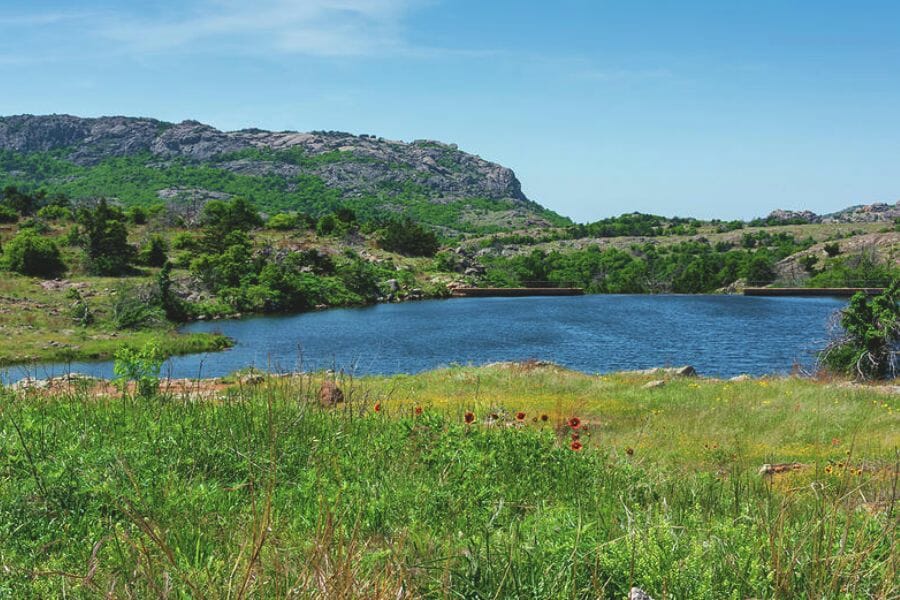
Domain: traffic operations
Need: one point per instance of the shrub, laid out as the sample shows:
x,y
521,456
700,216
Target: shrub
x,y
136,215
133,309
871,334
832,249
55,212
140,366
8,215
282,222
409,238
154,252
30,254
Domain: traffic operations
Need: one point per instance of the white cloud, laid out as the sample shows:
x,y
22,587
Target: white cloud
x,y
313,27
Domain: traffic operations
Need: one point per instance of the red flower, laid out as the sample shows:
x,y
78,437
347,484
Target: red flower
x,y
377,407
418,410
575,437
470,417
545,418
576,445
520,416
574,422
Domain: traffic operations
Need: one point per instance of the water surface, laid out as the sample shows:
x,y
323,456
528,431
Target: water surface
x,y
720,335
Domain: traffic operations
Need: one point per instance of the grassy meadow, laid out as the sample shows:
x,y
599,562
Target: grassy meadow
x,y
462,482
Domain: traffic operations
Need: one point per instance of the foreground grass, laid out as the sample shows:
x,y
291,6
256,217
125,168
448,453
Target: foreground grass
x,y
260,492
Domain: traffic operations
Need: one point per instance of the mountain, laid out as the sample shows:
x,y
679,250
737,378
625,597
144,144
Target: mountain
x,y
146,161
861,213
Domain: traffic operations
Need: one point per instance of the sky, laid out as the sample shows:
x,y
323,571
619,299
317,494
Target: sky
x,y
713,109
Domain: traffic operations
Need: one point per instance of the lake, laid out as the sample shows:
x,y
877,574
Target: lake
x,y
719,335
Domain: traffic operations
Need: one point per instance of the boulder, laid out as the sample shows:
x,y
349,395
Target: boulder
x,y
330,394
637,593
656,383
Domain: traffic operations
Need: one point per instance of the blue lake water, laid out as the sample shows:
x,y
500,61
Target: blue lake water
x,y
719,335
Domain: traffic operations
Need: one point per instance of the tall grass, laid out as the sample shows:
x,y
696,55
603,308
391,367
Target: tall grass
x,y
260,492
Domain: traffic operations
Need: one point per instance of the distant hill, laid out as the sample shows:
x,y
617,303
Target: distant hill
x,y
146,161
861,213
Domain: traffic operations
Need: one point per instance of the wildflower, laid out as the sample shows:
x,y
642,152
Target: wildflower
x,y
828,469
470,417
575,437
377,407
835,442
576,445
574,422
418,410
520,416
545,418
493,416
857,472
629,451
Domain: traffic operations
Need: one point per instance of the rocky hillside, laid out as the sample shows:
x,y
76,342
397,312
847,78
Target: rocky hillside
x,y
140,160
862,213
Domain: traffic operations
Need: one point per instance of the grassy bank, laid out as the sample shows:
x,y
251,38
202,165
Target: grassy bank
x,y
37,325
259,492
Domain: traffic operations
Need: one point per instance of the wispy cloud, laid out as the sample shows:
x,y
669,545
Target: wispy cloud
x,y
330,28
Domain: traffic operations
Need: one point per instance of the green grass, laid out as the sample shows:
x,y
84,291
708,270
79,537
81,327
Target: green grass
x,y
259,492
36,324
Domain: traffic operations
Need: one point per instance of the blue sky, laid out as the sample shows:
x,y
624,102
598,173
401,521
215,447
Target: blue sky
x,y
712,109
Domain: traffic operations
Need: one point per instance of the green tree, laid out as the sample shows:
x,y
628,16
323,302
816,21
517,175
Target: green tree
x,y
407,237
31,254
108,250
155,251
871,326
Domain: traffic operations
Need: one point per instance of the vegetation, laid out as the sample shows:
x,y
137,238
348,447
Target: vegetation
x,y
30,254
871,334
409,238
686,267
434,486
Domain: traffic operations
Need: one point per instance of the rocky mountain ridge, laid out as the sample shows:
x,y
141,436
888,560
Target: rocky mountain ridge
x,y
861,213
354,165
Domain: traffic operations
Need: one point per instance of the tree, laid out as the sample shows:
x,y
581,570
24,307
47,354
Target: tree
x,y
108,251
871,326
31,254
405,236
154,252
223,218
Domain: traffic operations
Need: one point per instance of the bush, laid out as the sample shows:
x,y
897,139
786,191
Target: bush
x,y
407,237
871,334
8,215
30,254
154,253
140,366
832,249
282,222
133,309
55,212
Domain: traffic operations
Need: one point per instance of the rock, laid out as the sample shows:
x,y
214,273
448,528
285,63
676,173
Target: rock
x,y
685,371
442,170
637,593
252,379
656,383
770,469
392,284
742,377
330,394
